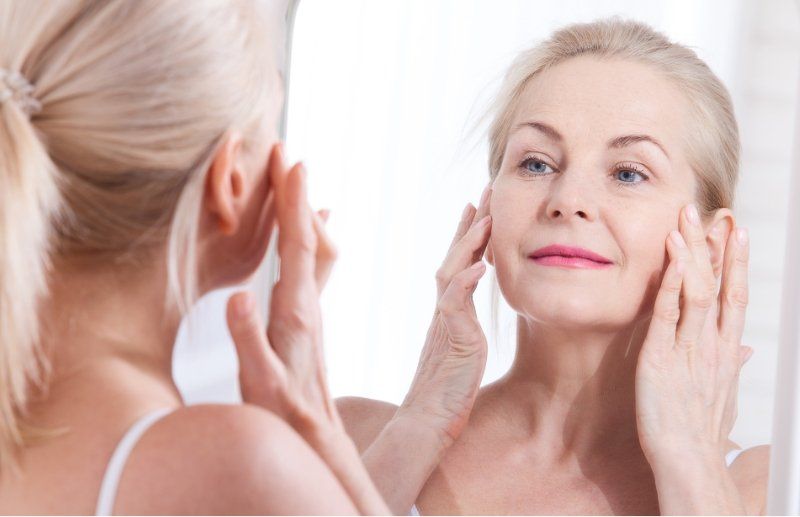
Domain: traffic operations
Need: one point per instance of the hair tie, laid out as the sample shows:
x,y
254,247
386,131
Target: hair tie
x,y
15,87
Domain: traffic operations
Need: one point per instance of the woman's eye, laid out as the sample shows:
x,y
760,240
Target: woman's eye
x,y
536,166
629,176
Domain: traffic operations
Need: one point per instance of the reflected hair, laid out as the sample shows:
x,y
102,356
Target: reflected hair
x,y
713,143
134,98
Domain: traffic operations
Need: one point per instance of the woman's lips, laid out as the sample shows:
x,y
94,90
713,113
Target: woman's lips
x,y
569,257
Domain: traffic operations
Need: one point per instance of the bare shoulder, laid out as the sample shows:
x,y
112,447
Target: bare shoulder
x,y
226,459
364,418
750,472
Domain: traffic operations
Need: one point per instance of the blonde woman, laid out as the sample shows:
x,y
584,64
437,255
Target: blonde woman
x,y
138,169
613,164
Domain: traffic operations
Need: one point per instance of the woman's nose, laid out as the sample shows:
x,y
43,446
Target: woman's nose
x,y
570,198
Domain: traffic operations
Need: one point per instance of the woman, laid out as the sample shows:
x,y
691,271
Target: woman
x,y
613,163
139,163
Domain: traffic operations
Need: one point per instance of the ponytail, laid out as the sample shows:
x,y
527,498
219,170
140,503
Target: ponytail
x,y
29,199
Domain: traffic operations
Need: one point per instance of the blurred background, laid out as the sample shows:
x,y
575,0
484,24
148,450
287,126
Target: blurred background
x,y
384,106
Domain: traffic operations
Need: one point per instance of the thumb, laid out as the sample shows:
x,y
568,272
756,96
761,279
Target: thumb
x,y
258,363
455,305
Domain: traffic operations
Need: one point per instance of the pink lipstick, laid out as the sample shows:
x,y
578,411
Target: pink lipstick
x,y
569,257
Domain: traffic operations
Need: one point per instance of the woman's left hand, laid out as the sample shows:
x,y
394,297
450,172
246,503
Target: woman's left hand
x,y
688,371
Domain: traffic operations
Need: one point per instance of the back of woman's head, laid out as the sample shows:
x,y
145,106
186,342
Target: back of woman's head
x,y
712,144
104,155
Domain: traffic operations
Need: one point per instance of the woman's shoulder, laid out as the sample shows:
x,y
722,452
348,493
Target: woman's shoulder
x,y
364,418
750,472
228,459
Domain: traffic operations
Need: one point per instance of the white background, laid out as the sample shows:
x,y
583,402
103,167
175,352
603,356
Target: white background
x,y
384,101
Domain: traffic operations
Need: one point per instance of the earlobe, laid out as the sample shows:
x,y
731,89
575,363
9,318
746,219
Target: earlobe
x,y
225,185
717,238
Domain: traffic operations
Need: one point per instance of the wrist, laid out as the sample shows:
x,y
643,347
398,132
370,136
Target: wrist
x,y
425,432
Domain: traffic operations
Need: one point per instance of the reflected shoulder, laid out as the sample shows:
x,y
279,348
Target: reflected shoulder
x,y
364,418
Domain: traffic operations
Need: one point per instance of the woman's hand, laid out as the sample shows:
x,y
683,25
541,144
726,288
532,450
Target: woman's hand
x,y
454,356
282,369
688,371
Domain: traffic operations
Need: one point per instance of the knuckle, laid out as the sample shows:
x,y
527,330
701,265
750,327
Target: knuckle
x,y
737,297
702,300
670,315
442,276
294,320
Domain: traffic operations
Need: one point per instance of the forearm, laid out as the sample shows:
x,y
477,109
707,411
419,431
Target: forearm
x,y
340,454
401,459
697,485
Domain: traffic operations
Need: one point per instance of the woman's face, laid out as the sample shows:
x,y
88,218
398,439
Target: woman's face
x,y
594,160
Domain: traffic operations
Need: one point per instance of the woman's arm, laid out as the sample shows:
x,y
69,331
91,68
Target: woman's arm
x,y
282,369
413,441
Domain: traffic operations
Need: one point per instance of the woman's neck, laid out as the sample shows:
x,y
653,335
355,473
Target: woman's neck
x,y
576,390
109,323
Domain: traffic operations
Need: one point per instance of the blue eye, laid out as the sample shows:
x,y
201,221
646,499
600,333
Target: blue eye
x,y
628,174
536,166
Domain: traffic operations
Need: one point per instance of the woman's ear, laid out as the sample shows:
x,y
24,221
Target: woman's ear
x,y
717,234
225,185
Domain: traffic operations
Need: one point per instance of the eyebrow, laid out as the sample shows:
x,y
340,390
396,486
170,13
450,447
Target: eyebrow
x,y
615,143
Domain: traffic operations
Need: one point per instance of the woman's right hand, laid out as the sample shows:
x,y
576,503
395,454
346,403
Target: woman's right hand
x,y
454,355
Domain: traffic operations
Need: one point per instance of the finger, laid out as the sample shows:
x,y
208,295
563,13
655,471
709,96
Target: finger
x,y
326,251
483,204
456,308
666,309
257,360
464,224
733,295
692,230
276,165
462,254
696,299
297,241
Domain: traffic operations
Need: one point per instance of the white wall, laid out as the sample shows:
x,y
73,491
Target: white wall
x,y
382,99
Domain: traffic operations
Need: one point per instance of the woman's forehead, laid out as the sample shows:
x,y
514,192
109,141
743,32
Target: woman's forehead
x,y
604,98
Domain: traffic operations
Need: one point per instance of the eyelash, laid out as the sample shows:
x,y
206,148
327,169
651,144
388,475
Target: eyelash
x,y
626,166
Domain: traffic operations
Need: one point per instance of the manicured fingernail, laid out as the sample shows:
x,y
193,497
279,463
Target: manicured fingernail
x,y
741,236
244,305
677,238
478,265
692,215
466,211
486,220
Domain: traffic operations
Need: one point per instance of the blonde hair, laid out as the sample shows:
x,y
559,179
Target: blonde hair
x,y
135,99
713,148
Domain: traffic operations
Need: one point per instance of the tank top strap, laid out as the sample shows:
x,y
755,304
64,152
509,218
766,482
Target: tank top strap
x,y
108,489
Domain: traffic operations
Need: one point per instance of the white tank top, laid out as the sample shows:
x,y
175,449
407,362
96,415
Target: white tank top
x,y
108,489
729,458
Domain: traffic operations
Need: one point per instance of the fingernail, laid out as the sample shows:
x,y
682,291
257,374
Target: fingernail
x,y
748,355
465,211
692,215
244,305
677,238
324,214
485,221
478,265
741,236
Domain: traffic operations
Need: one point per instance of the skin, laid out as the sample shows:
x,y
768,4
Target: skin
x,y
622,393
110,344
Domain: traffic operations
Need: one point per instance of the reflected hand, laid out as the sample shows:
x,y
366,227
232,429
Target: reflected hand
x,y
454,356
688,369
